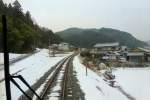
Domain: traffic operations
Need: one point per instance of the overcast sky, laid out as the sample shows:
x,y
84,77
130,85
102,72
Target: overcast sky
x,y
132,16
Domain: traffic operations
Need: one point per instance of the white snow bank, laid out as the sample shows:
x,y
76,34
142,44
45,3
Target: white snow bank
x,y
12,56
2,91
135,81
32,68
93,86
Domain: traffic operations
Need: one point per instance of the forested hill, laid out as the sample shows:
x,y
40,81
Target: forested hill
x,y
89,37
148,42
24,35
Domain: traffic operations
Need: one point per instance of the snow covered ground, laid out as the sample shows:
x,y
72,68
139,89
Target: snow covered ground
x,y
94,87
135,81
31,68
12,56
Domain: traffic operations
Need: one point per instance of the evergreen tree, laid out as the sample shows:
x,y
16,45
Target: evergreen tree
x,y
1,7
23,35
17,11
28,15
28,18
1,4
17,6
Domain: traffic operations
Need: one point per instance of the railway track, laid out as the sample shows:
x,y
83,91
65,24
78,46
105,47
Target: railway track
x,y
56,87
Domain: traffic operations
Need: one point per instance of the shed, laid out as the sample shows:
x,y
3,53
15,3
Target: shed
x,y
136,57
106,46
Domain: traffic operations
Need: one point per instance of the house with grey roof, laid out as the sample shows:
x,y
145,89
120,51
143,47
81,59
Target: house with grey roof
x,y
146,51
105,47
137,57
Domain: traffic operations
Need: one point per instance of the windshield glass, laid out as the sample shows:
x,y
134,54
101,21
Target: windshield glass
x,y
74,49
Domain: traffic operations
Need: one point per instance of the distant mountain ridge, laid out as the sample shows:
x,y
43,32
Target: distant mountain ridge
x,y
148,42
88,37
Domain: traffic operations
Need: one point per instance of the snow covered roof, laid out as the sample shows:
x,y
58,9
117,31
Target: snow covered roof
x,y
64,43
135,54
99,45
145,49
53,45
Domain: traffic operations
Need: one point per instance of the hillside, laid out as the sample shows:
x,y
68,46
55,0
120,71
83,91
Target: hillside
x,y
148,42
24,35
89,37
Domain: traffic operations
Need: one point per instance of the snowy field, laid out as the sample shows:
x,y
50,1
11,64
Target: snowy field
x,y
93,85
135,81
12,56
31,68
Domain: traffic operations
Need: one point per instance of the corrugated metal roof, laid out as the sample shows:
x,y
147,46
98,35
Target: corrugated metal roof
x,y
106,44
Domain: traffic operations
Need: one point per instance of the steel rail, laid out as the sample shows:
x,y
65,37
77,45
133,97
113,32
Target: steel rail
x,y
54,76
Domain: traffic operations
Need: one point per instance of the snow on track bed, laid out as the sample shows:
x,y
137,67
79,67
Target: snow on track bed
x,y
55,88
34,67
40,89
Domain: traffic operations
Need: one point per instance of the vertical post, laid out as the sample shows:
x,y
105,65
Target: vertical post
x,y
86,69
6,59
49,46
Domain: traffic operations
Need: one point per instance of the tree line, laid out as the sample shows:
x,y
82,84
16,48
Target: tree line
x,y
24,35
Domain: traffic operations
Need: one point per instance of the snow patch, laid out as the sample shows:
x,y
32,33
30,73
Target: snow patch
x,y
135,81
93,85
